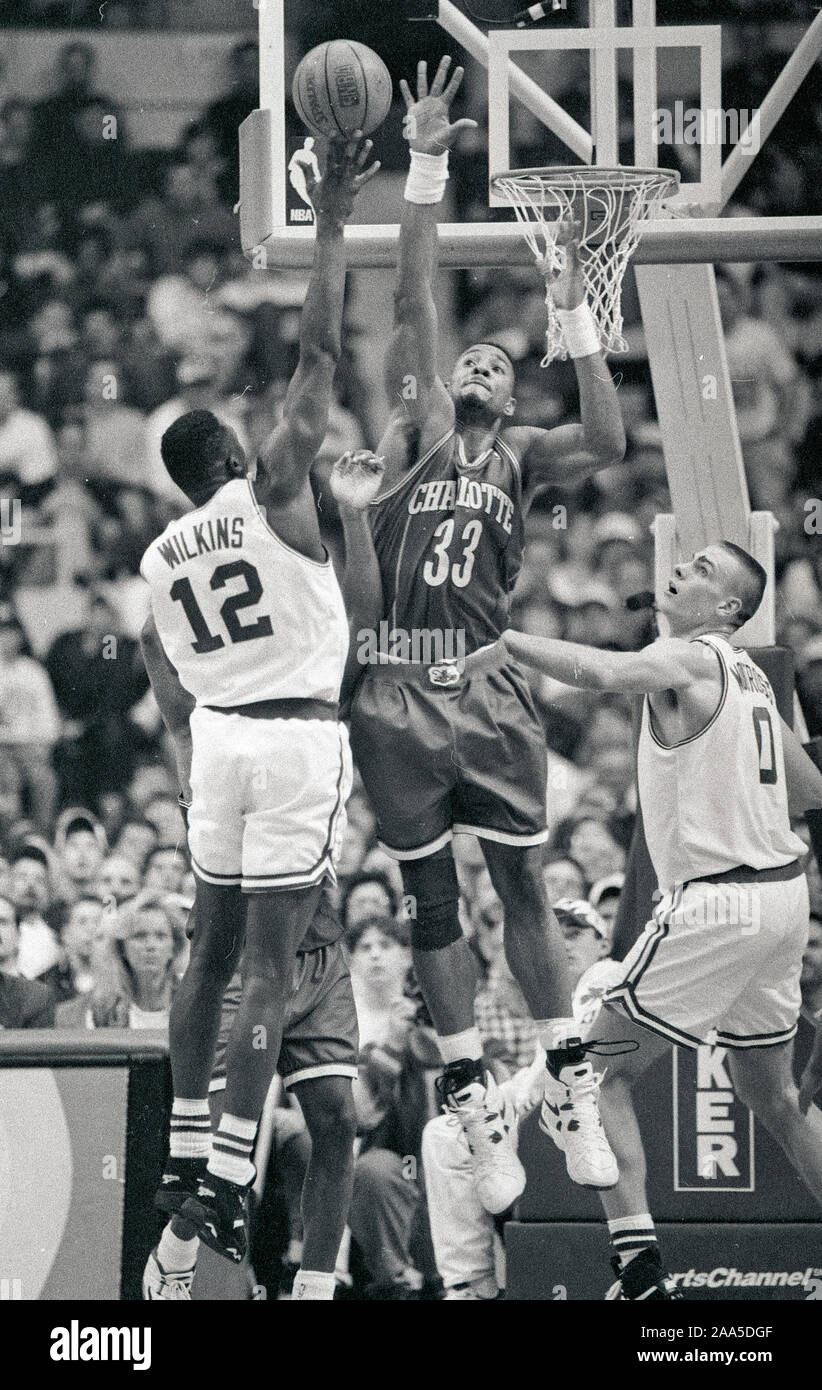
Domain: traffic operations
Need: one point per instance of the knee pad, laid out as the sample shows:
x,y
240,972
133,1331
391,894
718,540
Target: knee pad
x,y
432,887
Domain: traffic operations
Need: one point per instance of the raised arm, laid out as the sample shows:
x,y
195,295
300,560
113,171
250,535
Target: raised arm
x,y
668,664
569,453
418,397
355,480
287,457
173,700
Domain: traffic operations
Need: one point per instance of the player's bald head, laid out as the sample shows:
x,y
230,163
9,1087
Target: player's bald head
x,y
746,578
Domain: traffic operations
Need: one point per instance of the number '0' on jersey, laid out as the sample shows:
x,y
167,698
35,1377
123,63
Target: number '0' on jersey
x,y
241,616
718,799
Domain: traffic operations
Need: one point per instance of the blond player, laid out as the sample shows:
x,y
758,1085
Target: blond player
x,y
719,776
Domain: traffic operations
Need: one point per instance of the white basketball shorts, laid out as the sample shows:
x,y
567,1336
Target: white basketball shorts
x,y
267,799
720,963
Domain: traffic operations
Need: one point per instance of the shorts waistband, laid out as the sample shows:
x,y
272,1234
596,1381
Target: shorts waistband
x,y
743,873
442,674
281,709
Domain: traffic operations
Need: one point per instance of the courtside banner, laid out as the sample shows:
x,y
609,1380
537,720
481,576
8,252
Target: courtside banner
x,y
708,1158
83,1119
563,1261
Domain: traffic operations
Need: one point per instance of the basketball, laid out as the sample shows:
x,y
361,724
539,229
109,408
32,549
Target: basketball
x,y
342,86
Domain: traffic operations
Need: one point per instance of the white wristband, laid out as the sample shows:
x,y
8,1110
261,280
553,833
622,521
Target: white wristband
x,y
579,331
427,177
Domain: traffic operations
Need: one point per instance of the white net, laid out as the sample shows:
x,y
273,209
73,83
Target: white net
x,y
610,206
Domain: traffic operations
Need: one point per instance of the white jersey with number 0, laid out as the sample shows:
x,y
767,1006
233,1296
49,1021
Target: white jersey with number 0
x,y
241,616
718,799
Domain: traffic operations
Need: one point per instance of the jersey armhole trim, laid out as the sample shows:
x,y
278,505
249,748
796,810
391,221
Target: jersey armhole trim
x,y
409,474
298,554
515,462
670,747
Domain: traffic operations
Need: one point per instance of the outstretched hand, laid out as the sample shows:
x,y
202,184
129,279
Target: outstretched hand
x,y
426,126
356,478
567,284
345,174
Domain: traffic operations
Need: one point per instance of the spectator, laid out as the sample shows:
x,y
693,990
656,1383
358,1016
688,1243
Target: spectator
x,y
138,979
486,916
164,227
29,719
114,431
604,897
563,876
765,379
136,840
593,845
28,459
86,938
119,880
80,843
165,869
367,895
391,1096
98,677
61,121
30,890
179,306
23,1003
226,114
506,1024
461,1229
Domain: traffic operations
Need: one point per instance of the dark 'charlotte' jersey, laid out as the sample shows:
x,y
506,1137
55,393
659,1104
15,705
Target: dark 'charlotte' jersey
x,y
449,538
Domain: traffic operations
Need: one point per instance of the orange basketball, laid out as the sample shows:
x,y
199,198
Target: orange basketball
x,y
342,86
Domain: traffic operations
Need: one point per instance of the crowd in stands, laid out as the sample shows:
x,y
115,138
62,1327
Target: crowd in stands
x,y
124,301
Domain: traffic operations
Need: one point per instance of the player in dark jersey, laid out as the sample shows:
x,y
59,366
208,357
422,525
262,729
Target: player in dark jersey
x,y
447,738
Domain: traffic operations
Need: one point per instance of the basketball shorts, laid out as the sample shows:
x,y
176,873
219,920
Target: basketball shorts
x,y
267,800
720,964
320,1036
439,760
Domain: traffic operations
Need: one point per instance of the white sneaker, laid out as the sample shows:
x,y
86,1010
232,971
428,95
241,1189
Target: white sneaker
x,y
570,1115
499,1177
159,1283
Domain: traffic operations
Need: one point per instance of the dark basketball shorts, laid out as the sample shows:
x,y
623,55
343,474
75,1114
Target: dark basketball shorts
x,y
320,1036
462,758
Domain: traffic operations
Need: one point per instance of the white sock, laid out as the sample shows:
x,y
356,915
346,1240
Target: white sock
x,y
555,1032
630,1234
190,1135
314,1285
455,1047
176,1255
231,1150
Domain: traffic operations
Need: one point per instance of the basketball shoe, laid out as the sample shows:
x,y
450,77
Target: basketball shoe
x,y
472,1099
159,1283
180,1180
570,1116
218,1215
642,1278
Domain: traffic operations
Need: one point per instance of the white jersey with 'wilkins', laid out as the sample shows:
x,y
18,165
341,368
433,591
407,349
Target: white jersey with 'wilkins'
x,y
718,799
241,615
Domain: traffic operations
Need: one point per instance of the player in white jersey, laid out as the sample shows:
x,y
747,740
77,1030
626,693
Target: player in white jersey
x,y
719,775
248,620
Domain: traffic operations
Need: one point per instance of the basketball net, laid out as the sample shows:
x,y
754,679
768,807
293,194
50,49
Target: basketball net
x,y
610,206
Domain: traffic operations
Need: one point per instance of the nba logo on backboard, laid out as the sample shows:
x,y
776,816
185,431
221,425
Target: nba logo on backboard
x,y
302,170
713,1138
